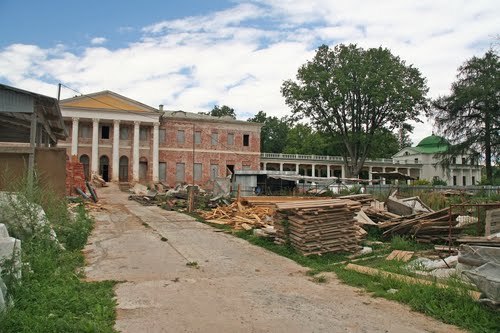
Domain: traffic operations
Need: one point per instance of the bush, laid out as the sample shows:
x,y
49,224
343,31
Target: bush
x,y
436,181
51,296
421,182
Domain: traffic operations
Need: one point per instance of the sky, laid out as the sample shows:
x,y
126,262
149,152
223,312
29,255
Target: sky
x,y
193,54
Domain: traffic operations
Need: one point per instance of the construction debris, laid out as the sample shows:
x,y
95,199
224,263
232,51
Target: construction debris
x,y
319,226
240,216
425,228
398,255
407,206
408,279
98,181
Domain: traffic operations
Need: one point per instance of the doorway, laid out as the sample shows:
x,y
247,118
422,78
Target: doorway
x,y
104,167
84,159
143,168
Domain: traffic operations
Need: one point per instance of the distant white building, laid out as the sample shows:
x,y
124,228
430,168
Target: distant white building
x,y
463,170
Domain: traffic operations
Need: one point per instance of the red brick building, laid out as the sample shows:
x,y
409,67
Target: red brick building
x,y
125,140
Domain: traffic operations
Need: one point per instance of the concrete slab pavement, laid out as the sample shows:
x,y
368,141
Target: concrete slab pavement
x,y
236,287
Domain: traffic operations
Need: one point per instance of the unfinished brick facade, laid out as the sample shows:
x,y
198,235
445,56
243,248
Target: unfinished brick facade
x,y
152,146
220,147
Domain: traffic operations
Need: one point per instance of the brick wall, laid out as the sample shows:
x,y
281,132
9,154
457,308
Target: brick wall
x,y
74,176
221,152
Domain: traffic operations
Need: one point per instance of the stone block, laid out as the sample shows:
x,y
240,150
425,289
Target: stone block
x,y
3,291
4,233
8,246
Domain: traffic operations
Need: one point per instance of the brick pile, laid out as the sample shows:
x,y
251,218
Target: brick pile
x,y
75,176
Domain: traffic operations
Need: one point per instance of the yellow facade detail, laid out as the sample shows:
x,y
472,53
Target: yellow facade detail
x,y
104,101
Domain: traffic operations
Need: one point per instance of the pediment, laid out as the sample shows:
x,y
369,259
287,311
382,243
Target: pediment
x,y
106,101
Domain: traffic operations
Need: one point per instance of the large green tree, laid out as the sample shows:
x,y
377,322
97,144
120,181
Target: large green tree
x,y
273,133
221,111
469,117
352,92
303,139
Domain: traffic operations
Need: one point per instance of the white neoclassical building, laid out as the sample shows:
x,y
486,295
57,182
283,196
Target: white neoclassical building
x,y
464,170
107,129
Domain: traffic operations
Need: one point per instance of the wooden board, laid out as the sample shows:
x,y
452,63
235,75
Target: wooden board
x,y
403,256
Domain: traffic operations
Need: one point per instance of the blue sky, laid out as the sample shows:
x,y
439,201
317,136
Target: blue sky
x,y
73,23
191,54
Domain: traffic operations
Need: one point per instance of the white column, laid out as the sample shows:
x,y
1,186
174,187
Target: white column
x,y
116,151
370,176
328,171
383,178
156,151
297,168
95,146
74,137
135,152
313,173
342,173
281,167
265,165
408,172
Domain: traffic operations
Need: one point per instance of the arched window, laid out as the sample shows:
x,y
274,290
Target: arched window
x,y
84,159
123,170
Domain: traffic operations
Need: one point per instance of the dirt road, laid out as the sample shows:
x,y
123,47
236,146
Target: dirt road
x,y
235,287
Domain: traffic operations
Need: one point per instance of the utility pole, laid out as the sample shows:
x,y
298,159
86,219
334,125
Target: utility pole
x,y
59,92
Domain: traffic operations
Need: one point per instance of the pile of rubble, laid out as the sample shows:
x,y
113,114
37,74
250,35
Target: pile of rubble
x,y
240,216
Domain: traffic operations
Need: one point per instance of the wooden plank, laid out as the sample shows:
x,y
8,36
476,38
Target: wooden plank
x,y
408,279
403,256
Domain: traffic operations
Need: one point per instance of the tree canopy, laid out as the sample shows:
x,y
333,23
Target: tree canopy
x,y
221,112
469,117
351,92
273,133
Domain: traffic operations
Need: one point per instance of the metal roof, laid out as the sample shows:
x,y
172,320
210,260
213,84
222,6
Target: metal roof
x,y
16,105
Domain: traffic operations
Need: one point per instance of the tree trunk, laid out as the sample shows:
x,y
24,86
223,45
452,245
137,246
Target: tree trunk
x,y
487,148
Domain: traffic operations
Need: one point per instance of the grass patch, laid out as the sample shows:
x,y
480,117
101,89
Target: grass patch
x,y
451,305
51,295
319,279
192,264
406,244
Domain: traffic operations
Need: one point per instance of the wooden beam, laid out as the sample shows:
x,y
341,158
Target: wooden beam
x,y
403,278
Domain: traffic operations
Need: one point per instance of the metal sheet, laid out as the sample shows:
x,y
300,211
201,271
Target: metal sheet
x,y
11,101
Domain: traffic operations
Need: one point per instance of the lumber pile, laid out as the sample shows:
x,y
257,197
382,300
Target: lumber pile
x,y
378,215
271,201
239,216
364,199
425,228
319,226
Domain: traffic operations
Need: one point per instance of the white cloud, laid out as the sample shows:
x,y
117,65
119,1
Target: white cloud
x,y
98,40
241,55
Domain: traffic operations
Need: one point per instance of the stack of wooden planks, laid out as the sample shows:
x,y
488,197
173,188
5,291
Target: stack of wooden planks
x,y
319,226
271,201
239,216
425,228
365,199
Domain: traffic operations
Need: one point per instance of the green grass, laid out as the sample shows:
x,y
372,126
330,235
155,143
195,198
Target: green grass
x,y
451,305
51,295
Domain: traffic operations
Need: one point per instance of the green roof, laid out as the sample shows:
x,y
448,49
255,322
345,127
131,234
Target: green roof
x,y
432,144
